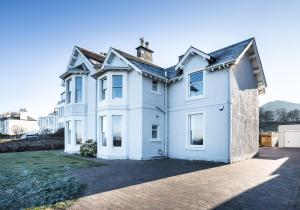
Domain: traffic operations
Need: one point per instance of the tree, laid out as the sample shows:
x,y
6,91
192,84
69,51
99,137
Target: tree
x,y
265,116
261,115
282,115
293,115
269,116
18,130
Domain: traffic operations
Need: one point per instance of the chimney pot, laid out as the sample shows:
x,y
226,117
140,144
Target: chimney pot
x,y
142,41
147,44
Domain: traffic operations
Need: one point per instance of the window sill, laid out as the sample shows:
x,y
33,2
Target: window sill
x,y
195,148
155,140
193,98
156,93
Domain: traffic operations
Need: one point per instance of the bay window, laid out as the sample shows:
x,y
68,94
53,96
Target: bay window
x,y
117,86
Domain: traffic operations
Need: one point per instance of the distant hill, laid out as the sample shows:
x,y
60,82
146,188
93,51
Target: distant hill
x,y
274,105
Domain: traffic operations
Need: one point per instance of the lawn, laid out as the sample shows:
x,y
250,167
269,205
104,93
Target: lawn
x,y
32,179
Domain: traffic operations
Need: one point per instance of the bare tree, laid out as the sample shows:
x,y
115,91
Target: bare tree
x,y
18,130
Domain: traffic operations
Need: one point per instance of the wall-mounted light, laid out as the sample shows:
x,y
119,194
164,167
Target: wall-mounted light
x,y
221,107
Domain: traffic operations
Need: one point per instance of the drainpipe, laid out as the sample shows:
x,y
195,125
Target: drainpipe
x,y
166,117
96,127
229,116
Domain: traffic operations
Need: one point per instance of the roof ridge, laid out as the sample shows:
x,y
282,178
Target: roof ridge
x,y
80,48
252,38
138,59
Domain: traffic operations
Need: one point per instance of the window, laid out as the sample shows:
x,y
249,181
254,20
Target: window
x,y
196,131
78,131
155,131
117,86
103,88
68,91
78,89
154,86
116,130
68,131
103,130
196,84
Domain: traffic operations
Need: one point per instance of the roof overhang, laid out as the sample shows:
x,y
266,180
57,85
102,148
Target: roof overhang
x,y
80,69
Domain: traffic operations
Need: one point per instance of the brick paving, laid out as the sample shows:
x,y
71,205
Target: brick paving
x,y
271,181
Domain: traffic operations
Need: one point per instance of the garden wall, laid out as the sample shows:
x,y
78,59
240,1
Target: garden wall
x,y
41,143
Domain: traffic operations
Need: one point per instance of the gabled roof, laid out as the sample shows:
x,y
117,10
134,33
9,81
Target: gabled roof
x,y
80,69
143,65
92,56
230,53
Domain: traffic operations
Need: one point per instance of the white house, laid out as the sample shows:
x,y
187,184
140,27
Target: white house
x,y
49,123
21,120
205,107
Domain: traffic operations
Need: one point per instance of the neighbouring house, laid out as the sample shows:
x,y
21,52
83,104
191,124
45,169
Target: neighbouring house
x,y
54,120
15,123
289,135
204,107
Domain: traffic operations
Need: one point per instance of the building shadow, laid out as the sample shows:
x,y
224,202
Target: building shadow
x,y
281,192
116,174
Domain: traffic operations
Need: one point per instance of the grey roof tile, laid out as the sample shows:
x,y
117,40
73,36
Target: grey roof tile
x,y
229,53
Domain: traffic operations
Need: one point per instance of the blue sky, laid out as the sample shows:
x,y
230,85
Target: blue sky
x,y
37,37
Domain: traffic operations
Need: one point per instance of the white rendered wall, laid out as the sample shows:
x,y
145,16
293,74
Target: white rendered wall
x,y
216,122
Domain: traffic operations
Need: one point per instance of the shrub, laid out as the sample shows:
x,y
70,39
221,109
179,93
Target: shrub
x,y
88,148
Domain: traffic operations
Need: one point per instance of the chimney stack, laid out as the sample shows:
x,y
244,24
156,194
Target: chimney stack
x,y
143,52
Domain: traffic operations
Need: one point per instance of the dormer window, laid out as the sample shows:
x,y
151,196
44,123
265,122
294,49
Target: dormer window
x,y
196,84
154,86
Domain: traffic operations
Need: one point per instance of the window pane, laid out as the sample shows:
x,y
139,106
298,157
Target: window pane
x,y
196,129
103,88
117,86
154,131
78,89
78,131
117,93
154,86
117,80
68,91
116,131
196,89
68,132
103,130
196,77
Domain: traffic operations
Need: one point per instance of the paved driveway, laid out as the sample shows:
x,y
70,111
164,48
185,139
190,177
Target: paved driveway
x,y
271,181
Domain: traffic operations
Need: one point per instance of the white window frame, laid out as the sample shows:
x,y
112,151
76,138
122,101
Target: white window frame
x,y
101,130
80,90
69,132
158,133
157,87
112,87
100,88
112,131
187,78
69,91
189,146
76,131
